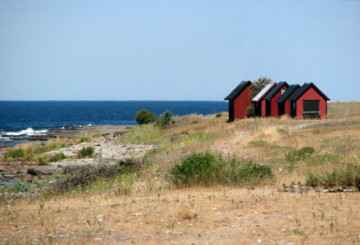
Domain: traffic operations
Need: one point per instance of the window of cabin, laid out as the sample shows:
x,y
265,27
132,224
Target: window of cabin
x,y
311,109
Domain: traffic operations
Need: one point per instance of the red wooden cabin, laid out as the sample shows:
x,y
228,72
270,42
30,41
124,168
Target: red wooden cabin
x,y
309,102
271,100
259,100
240,101
284,101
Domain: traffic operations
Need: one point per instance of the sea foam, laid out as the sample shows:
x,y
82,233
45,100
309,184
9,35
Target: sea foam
x,y
26,132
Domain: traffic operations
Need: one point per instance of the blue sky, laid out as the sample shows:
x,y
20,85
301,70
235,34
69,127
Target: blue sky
x,y
174,50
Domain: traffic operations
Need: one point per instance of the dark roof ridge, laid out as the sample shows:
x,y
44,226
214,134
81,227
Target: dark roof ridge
x,y
289,92
276,89
236,91
304,88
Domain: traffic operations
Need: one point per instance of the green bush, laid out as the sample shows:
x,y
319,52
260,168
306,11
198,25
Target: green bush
x,y
86,152
299,155
164,120
145,117
348,176
208,169
198,168
236,172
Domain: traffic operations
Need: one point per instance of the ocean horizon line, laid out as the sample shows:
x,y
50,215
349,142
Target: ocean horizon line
x,y
112,101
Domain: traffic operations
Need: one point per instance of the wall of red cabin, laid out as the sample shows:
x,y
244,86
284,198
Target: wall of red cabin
x,y
274,102
311,94
288,108
242,103
263,107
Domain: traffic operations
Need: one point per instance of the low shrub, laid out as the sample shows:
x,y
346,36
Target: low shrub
x,y
348,176
145,117
209,169
164,120
236,172
86,152
87,175
300,155
198,168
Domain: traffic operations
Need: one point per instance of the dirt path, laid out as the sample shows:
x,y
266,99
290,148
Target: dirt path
x,y
193,216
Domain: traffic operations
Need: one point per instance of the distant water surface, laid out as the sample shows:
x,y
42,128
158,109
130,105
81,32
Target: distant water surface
x,y
41,115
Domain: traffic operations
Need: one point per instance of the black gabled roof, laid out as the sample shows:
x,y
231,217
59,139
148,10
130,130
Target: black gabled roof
x,y
299,92
238,90
275,89
290,91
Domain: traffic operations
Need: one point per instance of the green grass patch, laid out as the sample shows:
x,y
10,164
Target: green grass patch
x,y
144,134
299,155
209,169
31,152
259,143
57,157
84,139
347,176
14,154
86,152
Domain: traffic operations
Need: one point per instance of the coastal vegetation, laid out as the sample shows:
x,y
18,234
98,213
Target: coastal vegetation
x,y
33,153
202,173
86,152
145,117
208,169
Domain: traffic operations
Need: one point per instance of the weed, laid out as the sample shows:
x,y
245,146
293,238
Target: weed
x,y
57,157
144,134
347,176
84,139
259,143
86,152
164,120
14,154
300,155
95,176
21,186
248,172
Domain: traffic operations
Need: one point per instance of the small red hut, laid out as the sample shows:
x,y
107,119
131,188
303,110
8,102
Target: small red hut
x,y
272,106
260,102
284,101
309,102
240,101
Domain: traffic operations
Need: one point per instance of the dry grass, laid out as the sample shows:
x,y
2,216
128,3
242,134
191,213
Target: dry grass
x,y
200,216
153,212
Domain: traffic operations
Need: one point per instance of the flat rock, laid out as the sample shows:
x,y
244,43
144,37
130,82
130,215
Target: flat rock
x,y
43,170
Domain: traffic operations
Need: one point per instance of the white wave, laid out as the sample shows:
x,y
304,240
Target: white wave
x,y
26,132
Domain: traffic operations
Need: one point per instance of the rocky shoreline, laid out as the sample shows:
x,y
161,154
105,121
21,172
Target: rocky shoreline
x,y
107,152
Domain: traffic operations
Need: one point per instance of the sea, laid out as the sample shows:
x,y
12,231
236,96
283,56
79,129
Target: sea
x,y
29,118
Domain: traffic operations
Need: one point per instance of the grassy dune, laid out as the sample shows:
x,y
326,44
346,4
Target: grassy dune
x,y
146,207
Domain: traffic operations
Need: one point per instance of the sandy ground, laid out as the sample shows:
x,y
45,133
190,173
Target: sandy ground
x,y
190,216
